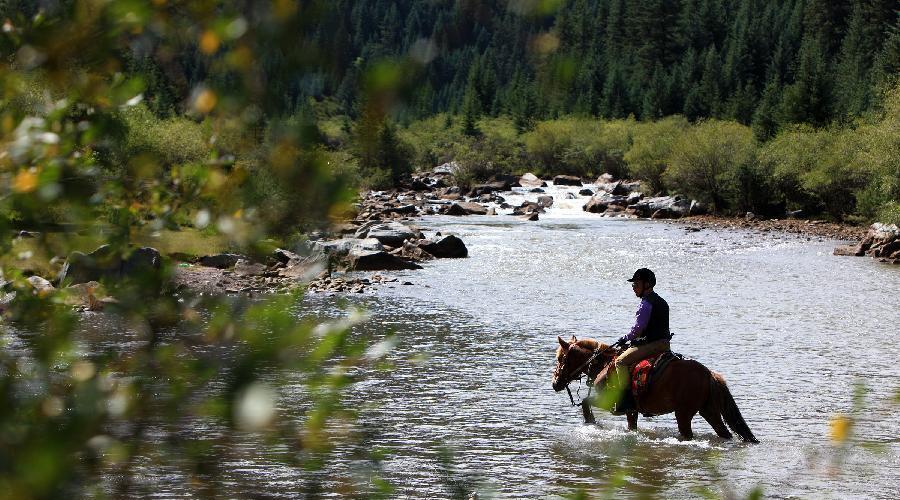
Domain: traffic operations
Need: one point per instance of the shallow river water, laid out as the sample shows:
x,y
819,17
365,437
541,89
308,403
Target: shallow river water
x,y
468,405
792,328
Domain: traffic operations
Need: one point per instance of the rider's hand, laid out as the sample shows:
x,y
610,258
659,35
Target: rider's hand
x,y
622,342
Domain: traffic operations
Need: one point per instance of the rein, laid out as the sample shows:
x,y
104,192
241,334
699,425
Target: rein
x,y
580,369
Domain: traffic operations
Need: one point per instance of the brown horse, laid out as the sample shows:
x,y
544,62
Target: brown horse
x,y
685,387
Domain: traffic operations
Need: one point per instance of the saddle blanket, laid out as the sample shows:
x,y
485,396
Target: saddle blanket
x,y
647,369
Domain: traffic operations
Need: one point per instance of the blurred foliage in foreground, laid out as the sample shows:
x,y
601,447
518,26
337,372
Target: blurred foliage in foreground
x,y
176,382
89,407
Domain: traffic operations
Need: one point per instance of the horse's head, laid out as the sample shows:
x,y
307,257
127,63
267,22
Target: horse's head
x,y
570,360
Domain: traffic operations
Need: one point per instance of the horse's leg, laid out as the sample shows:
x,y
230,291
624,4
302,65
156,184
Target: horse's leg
x,y
587,412
683,417
715,420
632,420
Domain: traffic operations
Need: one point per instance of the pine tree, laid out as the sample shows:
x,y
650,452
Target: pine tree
x,y
887,64
767,115
808,99
710,88
864,39
614,102
471,111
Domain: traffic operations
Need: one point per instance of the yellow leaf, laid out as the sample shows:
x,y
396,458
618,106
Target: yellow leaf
x,y
284,9
205,101
840,428
26,181
209,42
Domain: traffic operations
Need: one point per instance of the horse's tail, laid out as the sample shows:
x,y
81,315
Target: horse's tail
x,y
729,409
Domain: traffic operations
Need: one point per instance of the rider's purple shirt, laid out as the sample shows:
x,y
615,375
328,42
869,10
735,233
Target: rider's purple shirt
x,y
641,318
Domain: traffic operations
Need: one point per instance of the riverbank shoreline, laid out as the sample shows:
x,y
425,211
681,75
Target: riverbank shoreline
x,y
360,253
808,228
407,207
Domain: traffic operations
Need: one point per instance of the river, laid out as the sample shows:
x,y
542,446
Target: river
x,y
468,404
792,327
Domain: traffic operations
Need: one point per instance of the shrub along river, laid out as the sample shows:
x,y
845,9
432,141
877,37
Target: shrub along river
x,y
468,404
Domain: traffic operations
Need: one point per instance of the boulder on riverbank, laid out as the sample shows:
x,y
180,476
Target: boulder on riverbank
x,y
388,233
106,263
530,180
221,261
881,242
344,246
662,207
567,180
369,260
465,208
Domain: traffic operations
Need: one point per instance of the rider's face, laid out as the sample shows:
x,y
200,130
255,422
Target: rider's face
x,y
639,287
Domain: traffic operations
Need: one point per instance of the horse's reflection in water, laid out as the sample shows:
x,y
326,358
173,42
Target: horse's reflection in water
x,y
686,388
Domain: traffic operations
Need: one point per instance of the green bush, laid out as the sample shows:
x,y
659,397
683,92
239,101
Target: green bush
x,y
170,141
579,146
614,140
432,140
547,143
709,161
814,169
877,159
889,213
648,156
383,157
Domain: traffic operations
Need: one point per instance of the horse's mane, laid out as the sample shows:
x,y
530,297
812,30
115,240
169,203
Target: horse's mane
x,y
587,344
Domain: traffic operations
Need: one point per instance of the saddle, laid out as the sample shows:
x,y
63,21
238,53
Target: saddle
x,y
647,369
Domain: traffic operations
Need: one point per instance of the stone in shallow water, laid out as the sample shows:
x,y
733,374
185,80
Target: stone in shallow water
x,y
449,246
367,260
566,180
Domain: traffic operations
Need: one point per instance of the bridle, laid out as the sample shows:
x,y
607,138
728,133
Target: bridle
x,y
582,370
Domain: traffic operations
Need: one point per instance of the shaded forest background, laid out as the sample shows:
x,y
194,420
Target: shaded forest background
x,y
801,89
240,126
766,63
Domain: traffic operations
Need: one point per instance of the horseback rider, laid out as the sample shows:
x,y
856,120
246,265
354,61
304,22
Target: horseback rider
x,y
649,335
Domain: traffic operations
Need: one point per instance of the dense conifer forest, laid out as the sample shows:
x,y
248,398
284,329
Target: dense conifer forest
x,y
760,62
390,86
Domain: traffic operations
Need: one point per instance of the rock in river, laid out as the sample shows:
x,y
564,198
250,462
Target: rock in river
x,y
449,246
566,180
345,246
388,233
530,180
466,208
882,242
369,260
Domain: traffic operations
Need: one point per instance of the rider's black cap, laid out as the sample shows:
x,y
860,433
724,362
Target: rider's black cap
x,y
644,274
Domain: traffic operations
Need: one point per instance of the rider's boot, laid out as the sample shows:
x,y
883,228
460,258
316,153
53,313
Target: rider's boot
x,y
626,401
626,404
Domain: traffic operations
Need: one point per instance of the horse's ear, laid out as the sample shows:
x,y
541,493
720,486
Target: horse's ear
x,y
562,342
573,339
